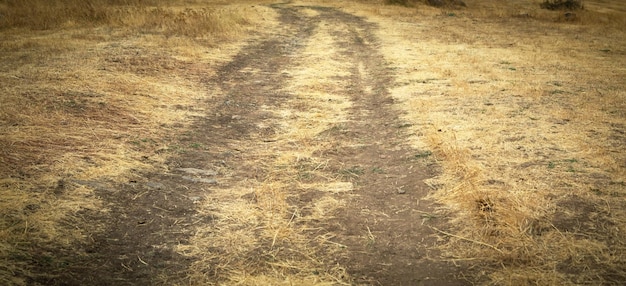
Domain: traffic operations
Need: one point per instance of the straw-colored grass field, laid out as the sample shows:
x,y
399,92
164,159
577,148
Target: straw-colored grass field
x,y
94,92
522,109
525,112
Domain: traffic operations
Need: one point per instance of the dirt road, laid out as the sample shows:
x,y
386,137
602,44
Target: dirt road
x,y
305,143
299,125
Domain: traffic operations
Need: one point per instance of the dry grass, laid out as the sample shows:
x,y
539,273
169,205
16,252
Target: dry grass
x,y
93,92
191,19
187,27
260,237
526,116
529,131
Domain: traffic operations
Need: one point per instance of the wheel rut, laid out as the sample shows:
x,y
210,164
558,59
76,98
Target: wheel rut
x,y
381,226
385,224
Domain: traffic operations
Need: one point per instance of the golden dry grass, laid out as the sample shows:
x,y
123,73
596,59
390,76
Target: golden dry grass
x,y
94,92
525,112
528,129
260,238
191,18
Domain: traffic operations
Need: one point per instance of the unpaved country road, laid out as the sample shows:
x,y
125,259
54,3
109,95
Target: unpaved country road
x,y
299,125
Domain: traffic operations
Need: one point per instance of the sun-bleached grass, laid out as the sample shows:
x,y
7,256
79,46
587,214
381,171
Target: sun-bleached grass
x,y
524,111
94,92
189,19
260,236
528,130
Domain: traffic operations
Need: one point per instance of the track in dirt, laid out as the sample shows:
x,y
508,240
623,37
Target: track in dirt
x,y
387,204
384,223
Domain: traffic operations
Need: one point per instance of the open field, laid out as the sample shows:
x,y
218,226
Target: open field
x,y
312,143
86,101
526,117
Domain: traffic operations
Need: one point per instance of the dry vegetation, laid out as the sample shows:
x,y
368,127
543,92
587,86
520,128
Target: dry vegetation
x,y
91,91
524,108
265,240
525,113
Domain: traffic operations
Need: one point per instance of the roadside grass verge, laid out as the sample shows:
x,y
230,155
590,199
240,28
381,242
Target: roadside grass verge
x,y
526,117
91,94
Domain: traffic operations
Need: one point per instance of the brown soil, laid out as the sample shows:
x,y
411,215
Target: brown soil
x,y
385,226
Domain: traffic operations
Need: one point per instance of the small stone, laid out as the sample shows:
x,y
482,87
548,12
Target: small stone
x,y
155,185
195,171
200,180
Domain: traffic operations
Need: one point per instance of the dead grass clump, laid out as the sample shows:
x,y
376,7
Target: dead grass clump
x,y
258,238
562,5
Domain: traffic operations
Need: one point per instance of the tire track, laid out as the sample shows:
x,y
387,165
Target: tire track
x,y
385,222
347,194
154,214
